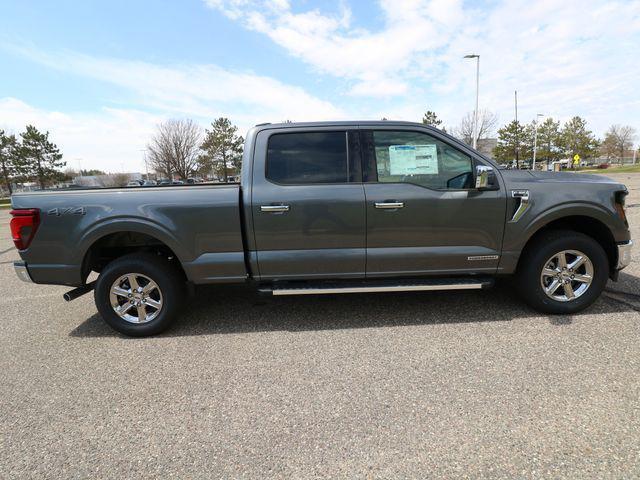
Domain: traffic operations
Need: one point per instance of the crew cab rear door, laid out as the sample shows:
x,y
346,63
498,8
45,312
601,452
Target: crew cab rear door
x,y
308,204
424,215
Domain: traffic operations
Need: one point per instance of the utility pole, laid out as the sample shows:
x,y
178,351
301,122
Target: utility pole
x,y
517,135
535,139
146,164
475,112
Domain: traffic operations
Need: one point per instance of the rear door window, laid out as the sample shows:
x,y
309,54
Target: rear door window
x,y
308,158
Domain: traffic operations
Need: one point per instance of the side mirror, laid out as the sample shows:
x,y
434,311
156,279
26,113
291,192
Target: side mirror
x,y
486,178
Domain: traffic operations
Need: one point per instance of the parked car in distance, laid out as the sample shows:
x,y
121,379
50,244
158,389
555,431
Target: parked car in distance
x,y
329,208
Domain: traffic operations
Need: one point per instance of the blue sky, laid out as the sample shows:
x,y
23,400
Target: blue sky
x,y
100,75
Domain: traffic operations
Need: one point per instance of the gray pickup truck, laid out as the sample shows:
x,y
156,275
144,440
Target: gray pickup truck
x,y
327,208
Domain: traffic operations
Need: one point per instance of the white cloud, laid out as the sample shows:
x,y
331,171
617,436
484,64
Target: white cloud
x,y
571,57
200,90
372,59
110,140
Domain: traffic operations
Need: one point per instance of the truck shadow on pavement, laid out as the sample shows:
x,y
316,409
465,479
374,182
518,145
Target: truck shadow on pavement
x,y
227,309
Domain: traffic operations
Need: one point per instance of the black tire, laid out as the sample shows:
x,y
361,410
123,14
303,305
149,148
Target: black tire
x,y
170,283
544,247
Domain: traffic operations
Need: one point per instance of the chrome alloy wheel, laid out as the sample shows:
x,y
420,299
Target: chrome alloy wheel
x,y
567,275
136,298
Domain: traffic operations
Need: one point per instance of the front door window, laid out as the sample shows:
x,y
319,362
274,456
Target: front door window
x,y
419,158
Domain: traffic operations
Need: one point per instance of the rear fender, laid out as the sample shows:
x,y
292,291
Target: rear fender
x,y
136,225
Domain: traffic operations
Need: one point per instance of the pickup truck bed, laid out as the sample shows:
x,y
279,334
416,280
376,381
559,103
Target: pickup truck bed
x,y
200,224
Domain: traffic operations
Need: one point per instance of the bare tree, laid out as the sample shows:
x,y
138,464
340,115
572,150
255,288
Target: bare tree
x,y
175,148
487,123
609,146
622,137
114,180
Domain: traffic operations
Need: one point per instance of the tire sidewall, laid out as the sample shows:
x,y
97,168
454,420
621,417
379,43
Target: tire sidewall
x,y
154,267
531,288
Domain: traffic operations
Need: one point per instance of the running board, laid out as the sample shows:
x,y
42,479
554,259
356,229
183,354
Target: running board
x,y
375,287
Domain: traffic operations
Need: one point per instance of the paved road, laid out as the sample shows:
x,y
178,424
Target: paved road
x,y
468,384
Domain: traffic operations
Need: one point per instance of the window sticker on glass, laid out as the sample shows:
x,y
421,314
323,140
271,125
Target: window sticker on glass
x,y
413,160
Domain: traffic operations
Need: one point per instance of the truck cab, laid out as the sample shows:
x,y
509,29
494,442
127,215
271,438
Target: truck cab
x,y
356,201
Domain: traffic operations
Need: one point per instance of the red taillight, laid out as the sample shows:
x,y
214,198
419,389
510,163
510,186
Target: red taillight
x,y
23,226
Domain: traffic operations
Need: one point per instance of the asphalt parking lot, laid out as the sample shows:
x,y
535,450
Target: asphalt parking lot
x,y
460,384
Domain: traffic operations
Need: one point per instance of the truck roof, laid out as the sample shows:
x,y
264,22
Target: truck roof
x,y
341,123
363,123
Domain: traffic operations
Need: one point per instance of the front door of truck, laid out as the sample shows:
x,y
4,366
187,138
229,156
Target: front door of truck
x,y
308,204
424,215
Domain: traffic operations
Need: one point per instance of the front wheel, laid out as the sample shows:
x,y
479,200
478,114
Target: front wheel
x,y
562,272
139,294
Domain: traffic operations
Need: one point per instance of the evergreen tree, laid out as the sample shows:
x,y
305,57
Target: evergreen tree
x,y
8,152
431,118
514,137
38,158
222,148
549,142
577,139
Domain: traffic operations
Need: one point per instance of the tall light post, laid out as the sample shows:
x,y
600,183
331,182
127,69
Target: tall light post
x,y
475,113
144,157
535,139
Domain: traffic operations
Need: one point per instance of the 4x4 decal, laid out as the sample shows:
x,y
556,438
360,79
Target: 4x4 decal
x,y
57,212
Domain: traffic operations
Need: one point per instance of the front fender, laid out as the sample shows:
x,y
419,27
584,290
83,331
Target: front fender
x,y
517,234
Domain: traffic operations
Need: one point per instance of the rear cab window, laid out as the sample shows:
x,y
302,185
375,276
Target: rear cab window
x,y
320,157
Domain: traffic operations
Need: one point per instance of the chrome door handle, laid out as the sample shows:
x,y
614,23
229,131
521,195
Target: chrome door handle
x,y
274,208
389,205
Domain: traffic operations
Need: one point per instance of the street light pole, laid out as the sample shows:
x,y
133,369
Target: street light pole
x,y
144,157
535,139
475,113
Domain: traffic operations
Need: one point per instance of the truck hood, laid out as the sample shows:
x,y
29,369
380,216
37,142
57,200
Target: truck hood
x,y
527,176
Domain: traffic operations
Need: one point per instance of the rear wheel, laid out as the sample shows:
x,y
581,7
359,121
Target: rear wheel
x,y
139,294
562,272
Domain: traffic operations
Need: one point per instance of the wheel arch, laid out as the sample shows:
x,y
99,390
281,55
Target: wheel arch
x,y
586,224
116,239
